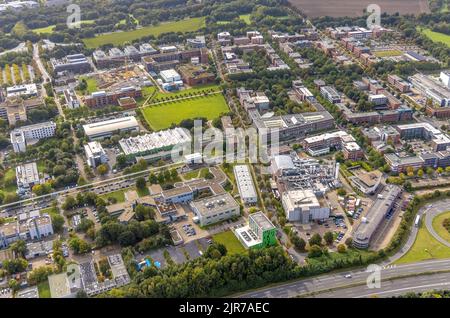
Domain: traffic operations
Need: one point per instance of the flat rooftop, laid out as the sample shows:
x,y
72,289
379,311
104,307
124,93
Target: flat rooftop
x,y
262,221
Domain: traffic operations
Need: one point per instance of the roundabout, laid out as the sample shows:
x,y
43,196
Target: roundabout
x,y
434,222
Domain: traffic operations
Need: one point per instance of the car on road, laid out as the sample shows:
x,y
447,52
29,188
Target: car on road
x,y
348,276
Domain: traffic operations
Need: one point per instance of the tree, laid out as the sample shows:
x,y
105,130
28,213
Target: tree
x,y
78,245
341,248
420,173
121,160
430,171
143,212
341,192
69,203
141,183
299,243
316,239
315,251
152,178
102,169
19,247
14,285
57,222
328,237
349,242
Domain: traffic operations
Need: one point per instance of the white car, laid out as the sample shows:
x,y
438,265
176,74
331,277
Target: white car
x,y
348,276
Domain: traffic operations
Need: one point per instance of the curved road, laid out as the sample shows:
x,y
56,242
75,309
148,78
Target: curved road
x,y
345,286
438,208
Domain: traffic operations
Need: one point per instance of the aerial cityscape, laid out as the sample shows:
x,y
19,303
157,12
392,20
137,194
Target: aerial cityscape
x,y
244,149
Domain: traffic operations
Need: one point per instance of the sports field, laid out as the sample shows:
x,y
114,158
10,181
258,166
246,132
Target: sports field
x,y
436,36
118,38
164,115
387,53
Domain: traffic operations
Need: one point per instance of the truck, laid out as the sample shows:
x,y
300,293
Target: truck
x,y
417,221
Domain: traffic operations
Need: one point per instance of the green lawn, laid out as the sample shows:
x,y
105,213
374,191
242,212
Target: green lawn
x,y
118,38
50,211
143,192
334,256
9,174
158,96
436,36
51,28
91,85
119,195
245,18
387,53
44,290
196,174
439,228
424,248
230,241
164,115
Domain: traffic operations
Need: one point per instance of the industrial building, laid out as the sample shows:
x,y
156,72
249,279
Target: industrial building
x,y
244,181
259,233
170,76
156,145
20,137
215,209
95,154
369,224
303,206
25,90
107,128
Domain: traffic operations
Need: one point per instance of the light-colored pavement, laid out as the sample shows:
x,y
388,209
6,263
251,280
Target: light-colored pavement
x,y
435,210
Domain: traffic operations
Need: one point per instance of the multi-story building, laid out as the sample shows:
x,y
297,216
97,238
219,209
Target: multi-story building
x,y
25,90
244,181
107,128
71,99
40,227
331,94
399,83
20,136
439,140
215,209
103,98
196,75
259,233
27,176
164,61
95,154
303,206
322,144
74,63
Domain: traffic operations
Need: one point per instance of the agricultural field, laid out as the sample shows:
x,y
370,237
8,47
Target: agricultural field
x,y
49,29
164,115
436,36
388,53
118,38
354,8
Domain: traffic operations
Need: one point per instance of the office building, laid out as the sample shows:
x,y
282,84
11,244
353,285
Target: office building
x,y
27,176
331,94
215,209
40,227
196,74
364,232
95,154
25,90
71,99
323,144
244,181
106,98
170,76
19,137
107,128
303,206
74,63
426,131
259,233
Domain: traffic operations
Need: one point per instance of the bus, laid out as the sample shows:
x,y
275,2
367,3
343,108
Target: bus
x,y
417,221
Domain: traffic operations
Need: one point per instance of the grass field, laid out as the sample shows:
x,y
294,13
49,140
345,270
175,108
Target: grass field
x,y
44,290
245,18
436,36
118,38
146,91
164,115
9,174
387,53
424,248
119,195
91,85
143,192
230,241
439,228
51,28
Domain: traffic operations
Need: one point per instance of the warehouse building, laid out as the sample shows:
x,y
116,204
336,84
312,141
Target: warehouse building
x,y
303,206
245,184
107,128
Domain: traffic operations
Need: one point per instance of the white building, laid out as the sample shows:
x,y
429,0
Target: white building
x,y
445,78
378,99
170,76
40,227
21,136
27,176
107,128
245,184
215,209
302,206
95,154
22,90
71,99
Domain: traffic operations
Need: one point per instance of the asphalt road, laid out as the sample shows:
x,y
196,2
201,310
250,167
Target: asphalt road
x,y
436,209
358,277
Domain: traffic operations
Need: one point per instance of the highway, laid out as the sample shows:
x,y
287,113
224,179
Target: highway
x,y
340,281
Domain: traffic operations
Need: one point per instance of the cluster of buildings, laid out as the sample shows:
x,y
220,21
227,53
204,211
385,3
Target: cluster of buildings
x,y
436,90
301,182
18,5
23,90
171,56
258,233
116,57
253,100
232,47
437,156
323,144
117,96
23,136
28,227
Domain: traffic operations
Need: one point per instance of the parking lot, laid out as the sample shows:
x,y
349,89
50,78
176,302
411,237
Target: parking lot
x,y
5,293
335,225
179,254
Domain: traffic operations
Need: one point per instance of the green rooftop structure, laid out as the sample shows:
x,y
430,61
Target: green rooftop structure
x,y
259,233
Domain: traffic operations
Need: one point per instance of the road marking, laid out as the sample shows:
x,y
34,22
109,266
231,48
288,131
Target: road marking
x,y
403,289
